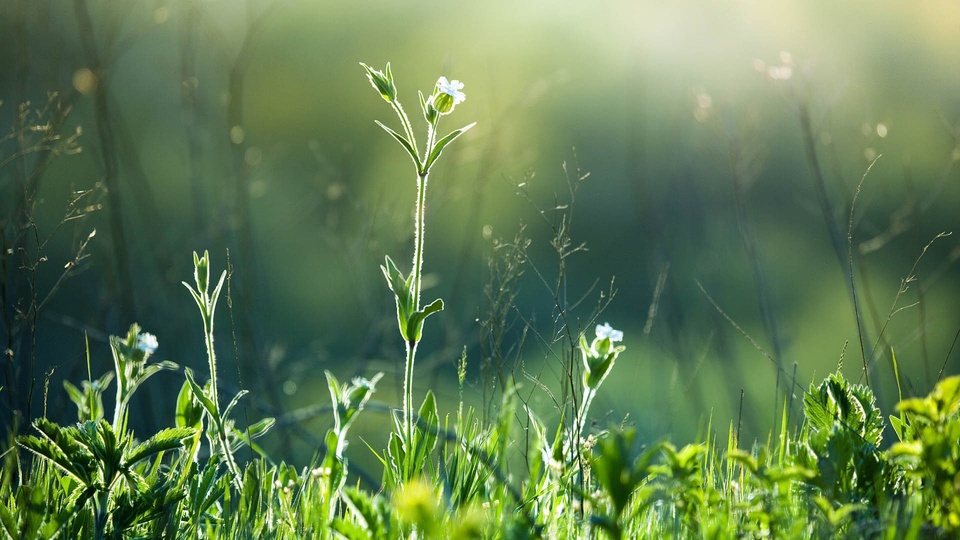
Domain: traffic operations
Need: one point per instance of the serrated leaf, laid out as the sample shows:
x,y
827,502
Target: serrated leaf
x,y
350,531
167,439
61,447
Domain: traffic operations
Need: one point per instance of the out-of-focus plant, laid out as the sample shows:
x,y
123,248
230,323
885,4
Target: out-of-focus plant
x,y
224,439
929,451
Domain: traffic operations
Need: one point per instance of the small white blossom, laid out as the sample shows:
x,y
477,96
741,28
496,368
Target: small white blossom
x,y
147,343
452,89
606,331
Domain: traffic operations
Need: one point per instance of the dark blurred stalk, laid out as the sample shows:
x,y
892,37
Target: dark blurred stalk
x,y
252,357
747,239
841,244
191,111
110,161
13,228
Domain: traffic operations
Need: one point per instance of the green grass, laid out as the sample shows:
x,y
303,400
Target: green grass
x,y
827,478
505,471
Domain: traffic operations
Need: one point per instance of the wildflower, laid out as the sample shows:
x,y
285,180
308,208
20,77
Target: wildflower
x,y
598,357
447,95
606,331
147,343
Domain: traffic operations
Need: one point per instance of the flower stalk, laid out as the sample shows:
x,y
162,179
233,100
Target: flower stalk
x,y
407,290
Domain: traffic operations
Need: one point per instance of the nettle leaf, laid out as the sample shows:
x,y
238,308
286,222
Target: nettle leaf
x,y
363,510
167,439
872,425
61,447
206,488
8,521
618,469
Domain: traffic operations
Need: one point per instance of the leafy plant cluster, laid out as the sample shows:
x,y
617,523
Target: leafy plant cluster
x,y
460,476
830,478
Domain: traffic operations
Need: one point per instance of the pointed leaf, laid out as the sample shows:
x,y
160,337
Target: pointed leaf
x,y
189,410
216,293
428,423
403,142
167,439
233,402
201,396
196,297
415,324
442,143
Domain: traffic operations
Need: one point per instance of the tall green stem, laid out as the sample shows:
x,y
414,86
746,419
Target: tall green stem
x,y
407,127
211,358
420,229
584,408
417,274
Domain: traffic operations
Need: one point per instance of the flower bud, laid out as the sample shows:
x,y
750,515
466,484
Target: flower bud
x,y
382,82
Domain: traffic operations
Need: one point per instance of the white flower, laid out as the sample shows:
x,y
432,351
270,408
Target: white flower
x,y
147,343
452,89
606,331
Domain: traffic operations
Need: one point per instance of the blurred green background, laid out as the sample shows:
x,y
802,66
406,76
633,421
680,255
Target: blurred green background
x,y
248,127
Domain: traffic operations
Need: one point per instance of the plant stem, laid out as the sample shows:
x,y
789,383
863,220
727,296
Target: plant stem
x,y
408,395
417,274
407,127
211,358
584,408
418,238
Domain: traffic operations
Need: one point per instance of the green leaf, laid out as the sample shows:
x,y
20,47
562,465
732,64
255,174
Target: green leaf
x,y
233,402
350,531
427,426
201,396
403,142
261,428
62,447
442,143
75,396
216,296
196,296
9,522
401,290
415,323
189,410
166,439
